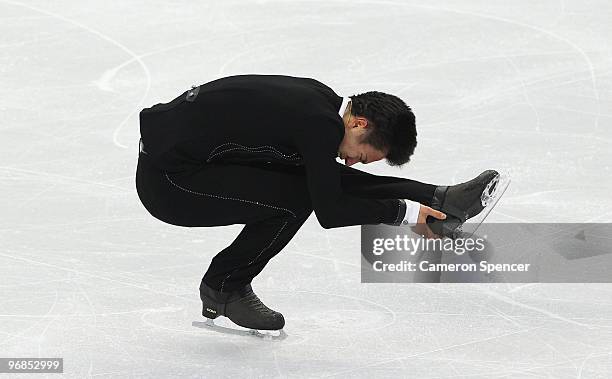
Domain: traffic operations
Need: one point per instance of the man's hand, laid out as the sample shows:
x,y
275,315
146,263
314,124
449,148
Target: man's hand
x,y
421,227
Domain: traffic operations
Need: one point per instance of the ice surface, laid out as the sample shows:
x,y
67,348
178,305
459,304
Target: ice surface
x,y
89,275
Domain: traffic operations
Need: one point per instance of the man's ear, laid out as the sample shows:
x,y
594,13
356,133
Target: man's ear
x,y
362,122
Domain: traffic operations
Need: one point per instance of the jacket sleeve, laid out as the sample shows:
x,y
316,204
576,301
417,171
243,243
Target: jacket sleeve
x,y
318,143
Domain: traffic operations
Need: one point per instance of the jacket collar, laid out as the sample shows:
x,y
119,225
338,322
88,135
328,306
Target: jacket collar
x,y
345,101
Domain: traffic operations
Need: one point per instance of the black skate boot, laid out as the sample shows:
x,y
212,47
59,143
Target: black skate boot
x,y
460,202
242,306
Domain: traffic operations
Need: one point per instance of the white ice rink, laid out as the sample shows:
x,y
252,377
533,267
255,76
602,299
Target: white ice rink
x,y
88,275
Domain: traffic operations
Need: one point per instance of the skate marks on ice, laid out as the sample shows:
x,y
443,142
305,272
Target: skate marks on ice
x,y
103,83
270,335
322,314
174,319
331,320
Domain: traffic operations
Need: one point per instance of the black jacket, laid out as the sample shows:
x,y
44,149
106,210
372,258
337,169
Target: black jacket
x,y
278,118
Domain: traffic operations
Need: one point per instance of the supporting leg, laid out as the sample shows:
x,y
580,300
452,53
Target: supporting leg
x,y
258,242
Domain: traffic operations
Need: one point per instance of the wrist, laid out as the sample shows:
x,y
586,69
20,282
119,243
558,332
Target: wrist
x,y
413,209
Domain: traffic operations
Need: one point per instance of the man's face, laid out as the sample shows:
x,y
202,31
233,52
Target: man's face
x,y
351,150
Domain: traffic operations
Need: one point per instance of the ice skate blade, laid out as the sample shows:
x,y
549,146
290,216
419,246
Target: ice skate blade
x,y
488,195
265,335
492,193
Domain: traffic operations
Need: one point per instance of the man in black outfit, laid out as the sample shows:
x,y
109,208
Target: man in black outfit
x,y
261,150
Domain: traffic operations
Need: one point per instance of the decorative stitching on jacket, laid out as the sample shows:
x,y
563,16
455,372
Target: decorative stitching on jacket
x,y
256,149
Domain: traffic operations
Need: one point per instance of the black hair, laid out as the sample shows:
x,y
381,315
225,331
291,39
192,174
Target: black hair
x,y
393,124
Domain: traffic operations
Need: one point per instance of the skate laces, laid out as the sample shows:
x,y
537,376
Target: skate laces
x,y
254,302
473,188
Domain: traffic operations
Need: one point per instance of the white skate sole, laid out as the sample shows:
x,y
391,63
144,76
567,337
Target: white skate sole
x,y
489,199
274,335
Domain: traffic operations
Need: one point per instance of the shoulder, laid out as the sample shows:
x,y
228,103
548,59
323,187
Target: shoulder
x,y
320,132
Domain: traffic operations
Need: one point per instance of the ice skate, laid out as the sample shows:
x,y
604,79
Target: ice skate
x,y
244,309
465,201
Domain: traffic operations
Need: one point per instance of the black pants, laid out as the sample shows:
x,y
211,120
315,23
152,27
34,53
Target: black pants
x,y
271,200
